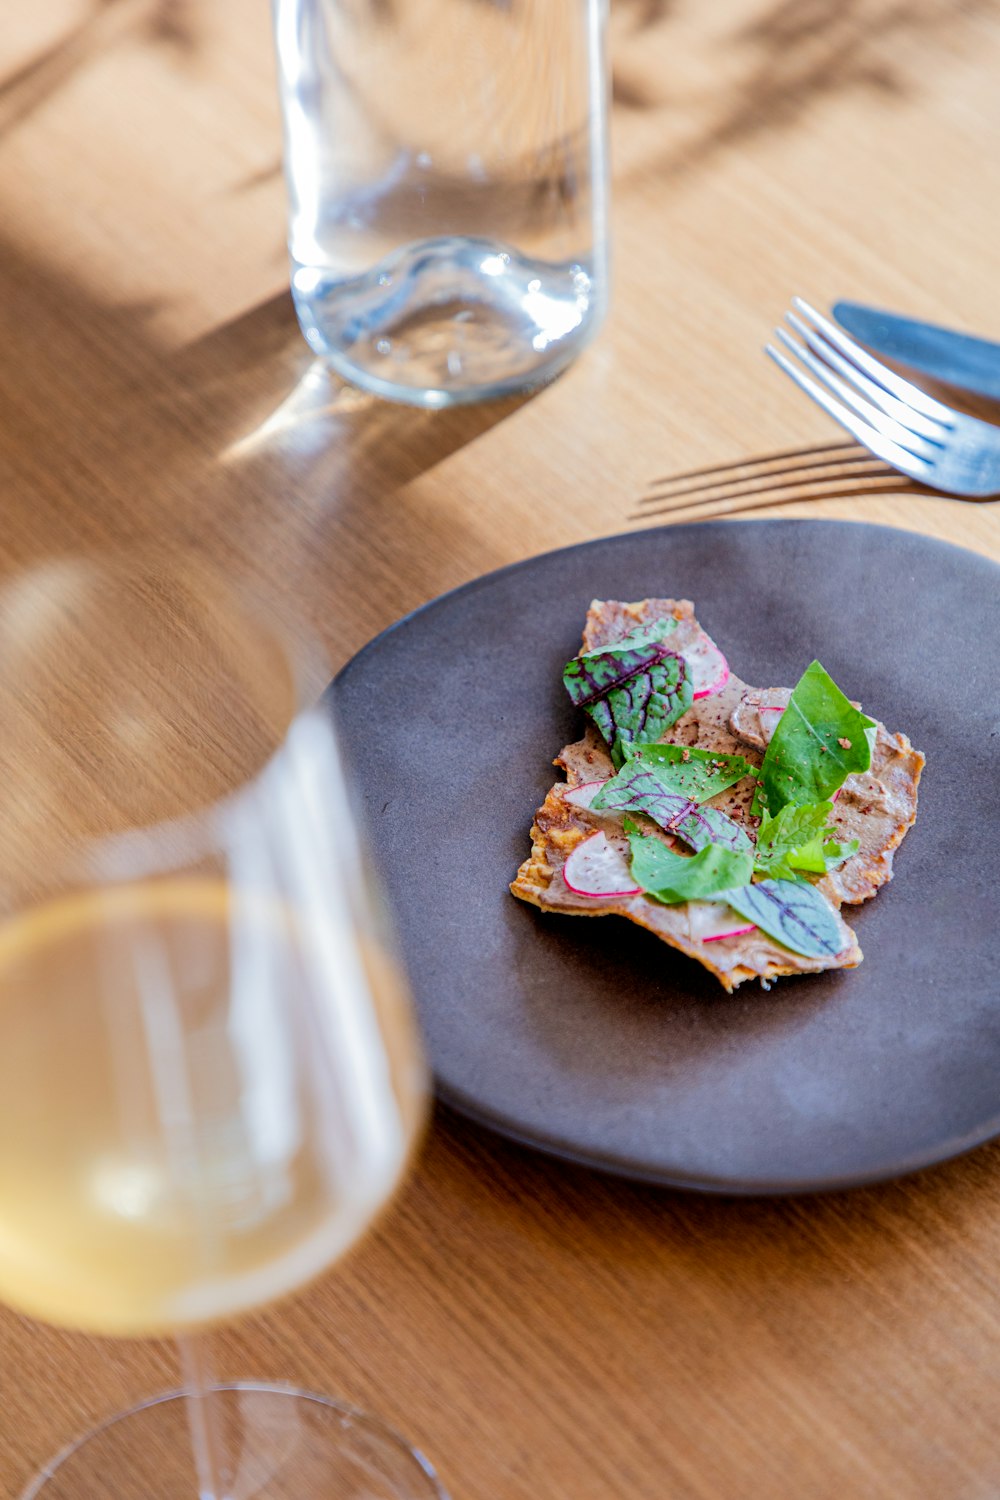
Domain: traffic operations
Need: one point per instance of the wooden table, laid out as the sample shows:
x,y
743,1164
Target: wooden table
x,y
541,1331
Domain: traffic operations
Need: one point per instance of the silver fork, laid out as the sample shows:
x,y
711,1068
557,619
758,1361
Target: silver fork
x,y
892,418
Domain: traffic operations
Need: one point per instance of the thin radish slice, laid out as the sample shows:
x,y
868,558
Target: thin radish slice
x,y
595,868
707,665
713,920
584,794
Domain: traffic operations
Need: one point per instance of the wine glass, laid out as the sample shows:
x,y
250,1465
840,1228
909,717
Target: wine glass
x,y
210,1083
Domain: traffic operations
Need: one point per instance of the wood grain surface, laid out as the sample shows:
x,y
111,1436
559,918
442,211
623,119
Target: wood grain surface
x,y
541,1331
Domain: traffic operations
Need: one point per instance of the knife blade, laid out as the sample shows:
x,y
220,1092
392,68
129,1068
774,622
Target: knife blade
x,y
958,359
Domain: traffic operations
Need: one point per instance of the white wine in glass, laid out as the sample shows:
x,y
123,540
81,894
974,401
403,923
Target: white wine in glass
x,y
210,1082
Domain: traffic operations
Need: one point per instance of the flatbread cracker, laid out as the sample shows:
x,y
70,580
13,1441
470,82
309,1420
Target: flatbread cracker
x,y
876,807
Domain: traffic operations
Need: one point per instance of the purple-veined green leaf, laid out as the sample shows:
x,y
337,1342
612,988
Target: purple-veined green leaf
x,y
592,674
636,788
645,707
703,826
633,690
793,912
602,716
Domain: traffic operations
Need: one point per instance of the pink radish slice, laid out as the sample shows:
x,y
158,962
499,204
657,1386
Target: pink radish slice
x,y
595,868
707,665
713,920
715,937
584,794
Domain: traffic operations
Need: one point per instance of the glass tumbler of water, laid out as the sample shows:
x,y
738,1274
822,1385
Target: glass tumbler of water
x,y
447,177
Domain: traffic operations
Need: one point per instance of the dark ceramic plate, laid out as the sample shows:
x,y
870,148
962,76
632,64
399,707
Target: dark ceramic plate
x,y
592,1040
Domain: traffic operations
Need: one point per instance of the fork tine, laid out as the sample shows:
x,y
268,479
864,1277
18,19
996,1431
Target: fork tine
x,y
888,426
876,442
907,416
904,389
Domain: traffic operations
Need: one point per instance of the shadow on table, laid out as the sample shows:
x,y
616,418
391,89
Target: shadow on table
x,y
300,467
167,24
766,70
764,73
240,445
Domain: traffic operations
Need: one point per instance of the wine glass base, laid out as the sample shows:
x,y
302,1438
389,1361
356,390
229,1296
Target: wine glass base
x,y
270,1442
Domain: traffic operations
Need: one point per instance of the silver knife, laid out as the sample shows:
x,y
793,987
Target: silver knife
x,y
956,358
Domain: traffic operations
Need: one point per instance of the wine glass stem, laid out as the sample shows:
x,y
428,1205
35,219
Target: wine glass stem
x,y
206,1439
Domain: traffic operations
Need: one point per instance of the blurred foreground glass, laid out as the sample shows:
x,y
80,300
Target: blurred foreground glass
x,y
209,1080
447,174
